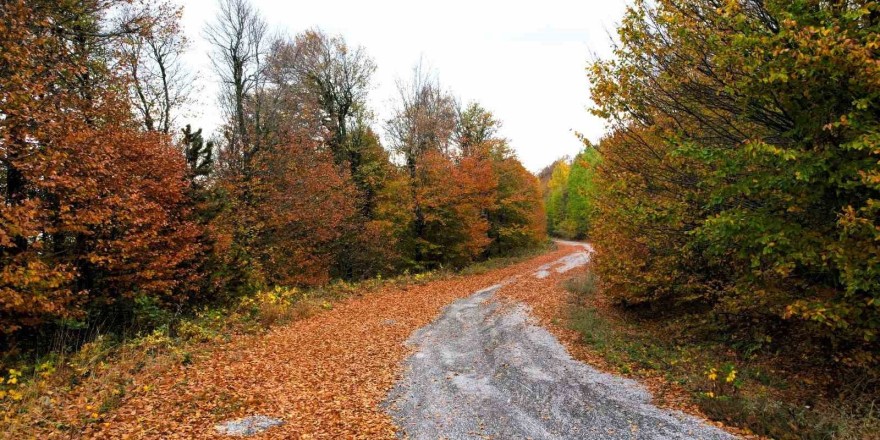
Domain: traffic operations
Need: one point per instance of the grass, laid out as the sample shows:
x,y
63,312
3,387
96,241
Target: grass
x,y
753,393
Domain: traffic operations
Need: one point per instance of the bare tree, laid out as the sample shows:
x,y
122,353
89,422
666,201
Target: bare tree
x,y
159,82
338,78
425,118
239,36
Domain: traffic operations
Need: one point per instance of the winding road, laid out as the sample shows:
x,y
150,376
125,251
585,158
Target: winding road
x,y
457,357
484,369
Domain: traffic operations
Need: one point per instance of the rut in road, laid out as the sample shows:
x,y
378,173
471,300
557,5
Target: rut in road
x,y
484,369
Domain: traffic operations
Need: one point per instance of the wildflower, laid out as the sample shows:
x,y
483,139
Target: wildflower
x,y
731,376
712,374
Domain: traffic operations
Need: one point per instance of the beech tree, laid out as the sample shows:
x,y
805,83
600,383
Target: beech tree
x,y
470,197
514,210
421,134
94,210
104,215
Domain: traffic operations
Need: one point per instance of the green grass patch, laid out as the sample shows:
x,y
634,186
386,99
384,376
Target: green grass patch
x,y
747,392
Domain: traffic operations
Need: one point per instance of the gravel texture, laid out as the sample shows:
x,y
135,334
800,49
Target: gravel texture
x,y
568,262
247,426
484,370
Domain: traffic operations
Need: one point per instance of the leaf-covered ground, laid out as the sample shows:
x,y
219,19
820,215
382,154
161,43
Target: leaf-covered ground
x,y
325,376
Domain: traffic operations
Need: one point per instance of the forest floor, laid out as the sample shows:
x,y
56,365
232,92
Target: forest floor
x,y
343,372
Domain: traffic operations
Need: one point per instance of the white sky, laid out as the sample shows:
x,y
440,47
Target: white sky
x,y
524,61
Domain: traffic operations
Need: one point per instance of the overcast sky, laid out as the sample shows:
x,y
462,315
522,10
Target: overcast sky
x,y
524,61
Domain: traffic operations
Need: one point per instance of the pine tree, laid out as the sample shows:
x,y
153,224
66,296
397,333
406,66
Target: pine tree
x,y
199,156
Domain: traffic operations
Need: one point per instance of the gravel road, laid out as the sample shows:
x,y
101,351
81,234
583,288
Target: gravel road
x,y
484,370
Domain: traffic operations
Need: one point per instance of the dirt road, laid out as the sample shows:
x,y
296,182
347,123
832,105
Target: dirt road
x,y
344,372
483,369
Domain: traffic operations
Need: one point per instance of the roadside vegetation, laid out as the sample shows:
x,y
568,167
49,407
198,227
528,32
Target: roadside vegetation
x,y
765,394
569,191
108,366
735,209
734,203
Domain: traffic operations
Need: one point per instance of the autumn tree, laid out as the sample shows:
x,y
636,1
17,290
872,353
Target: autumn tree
x,y
337,77
745,144
557,200
94,210
514,210
421,134
516,218
152,57
284,203
476,126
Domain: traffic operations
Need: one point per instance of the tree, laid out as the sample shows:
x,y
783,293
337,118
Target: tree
x,y
513,206
476,126
751,129
425,119
557,200
422,127
159,83
199,156
517,219
582,192
240,42
338,79
452,198
94,210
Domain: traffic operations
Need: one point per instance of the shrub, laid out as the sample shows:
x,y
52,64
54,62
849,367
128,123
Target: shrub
x,y
742,173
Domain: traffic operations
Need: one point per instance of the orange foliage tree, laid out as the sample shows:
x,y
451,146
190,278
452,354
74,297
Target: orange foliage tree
x,y
517,218
470,196
94,210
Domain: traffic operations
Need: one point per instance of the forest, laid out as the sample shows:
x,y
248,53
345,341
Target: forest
x,y
732,207
115,207
741,175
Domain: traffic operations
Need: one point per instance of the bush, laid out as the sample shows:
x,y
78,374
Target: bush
x,y
749,184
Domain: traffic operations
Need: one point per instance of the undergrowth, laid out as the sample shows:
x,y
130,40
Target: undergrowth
x,y
759,393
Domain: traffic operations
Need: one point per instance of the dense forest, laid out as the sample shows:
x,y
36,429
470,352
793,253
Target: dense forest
x,y
738,186
114,206
570,191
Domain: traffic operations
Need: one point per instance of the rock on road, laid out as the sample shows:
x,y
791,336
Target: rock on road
x,y
483,369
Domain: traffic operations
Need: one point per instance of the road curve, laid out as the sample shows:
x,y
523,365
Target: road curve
x,y
483,369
